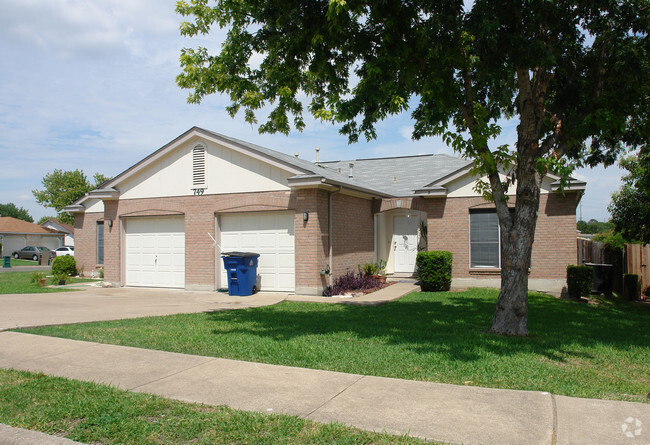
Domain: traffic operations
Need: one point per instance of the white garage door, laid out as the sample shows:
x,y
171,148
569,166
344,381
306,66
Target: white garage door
x,y
155,252
271,235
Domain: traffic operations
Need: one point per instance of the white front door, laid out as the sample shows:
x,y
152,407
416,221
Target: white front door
x,y
271,234
405,243
155,252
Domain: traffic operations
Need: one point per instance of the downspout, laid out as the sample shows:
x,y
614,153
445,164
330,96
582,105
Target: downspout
x,y
330,230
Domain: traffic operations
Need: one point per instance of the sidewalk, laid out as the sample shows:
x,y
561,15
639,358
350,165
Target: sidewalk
x,y
449,413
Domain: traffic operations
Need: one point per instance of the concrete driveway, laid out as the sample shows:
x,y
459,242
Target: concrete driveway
x,y
98,304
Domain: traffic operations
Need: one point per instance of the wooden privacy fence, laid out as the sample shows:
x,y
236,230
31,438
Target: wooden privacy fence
x,y
635,258
637,263
591,252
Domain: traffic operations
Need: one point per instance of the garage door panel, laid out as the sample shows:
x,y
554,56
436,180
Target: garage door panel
x,y
271,235
155,252
286,261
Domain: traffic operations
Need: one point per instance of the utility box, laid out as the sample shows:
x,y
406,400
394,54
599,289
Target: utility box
x,y
241,272
603,278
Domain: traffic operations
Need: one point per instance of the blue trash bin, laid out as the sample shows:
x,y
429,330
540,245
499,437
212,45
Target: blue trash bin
x,y
241,269
7,261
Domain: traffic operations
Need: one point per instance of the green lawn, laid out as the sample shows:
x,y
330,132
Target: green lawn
x,y
20,283
15,262
575,349
92,413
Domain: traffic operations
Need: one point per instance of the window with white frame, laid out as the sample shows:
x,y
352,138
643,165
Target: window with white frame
x,y
485,249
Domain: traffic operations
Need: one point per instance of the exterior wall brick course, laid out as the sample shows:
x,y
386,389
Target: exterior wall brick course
x,y
354,233
85,238
554,247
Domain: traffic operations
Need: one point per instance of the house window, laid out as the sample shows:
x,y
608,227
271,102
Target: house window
x,y
100,242
198,166
485,249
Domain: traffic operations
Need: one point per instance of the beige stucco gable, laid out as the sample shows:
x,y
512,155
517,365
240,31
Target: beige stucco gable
x,y
463,187
227,171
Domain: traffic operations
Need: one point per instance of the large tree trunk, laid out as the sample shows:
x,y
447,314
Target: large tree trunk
x,y
511,313
517,236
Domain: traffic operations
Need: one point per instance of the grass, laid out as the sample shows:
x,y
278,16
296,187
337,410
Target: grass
x,y
575,349
92,413
15,262
20,283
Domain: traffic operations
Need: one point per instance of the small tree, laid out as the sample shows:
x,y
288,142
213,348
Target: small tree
x,y
62,188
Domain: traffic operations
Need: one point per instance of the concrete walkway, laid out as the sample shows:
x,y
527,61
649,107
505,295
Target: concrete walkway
x,y
449,413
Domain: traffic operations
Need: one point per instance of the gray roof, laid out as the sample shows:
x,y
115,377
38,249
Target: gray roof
x,y
401,176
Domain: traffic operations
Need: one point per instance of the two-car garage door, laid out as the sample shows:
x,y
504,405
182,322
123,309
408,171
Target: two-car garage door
x,y
271,234
155,248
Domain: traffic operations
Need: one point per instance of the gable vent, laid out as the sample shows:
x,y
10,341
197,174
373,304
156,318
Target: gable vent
x,y
198,166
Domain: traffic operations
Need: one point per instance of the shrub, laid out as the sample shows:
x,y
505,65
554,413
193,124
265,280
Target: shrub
x,y
580,280
59,278
373,268
37,277
101,272
630,286
434,270
64,265
351,281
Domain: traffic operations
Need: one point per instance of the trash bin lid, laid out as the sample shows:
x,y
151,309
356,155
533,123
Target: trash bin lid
x,y
240,254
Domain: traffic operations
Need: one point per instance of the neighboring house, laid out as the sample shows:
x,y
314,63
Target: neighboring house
x,y
16,234
52,223
154,224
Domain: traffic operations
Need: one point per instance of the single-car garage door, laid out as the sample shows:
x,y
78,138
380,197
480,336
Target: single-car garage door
x,y
271,235
155,252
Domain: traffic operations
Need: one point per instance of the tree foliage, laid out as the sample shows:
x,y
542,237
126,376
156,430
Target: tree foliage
x,y
62,188
572,73
42,219
10,209
630,207
594,226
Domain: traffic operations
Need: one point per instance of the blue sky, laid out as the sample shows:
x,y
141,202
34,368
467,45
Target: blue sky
x,y
91,85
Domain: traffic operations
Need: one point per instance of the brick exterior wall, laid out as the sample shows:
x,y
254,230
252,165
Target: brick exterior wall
x,y
199,213
353,229
312,240
85,241
554,247
354,233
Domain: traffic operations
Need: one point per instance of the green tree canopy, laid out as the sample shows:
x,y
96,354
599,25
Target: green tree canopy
x,y
10,209
44,218
594,226
571,73
62,188
630,207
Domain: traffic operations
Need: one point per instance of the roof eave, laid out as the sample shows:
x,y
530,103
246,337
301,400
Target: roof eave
x,y
106,194
429,193
75,208
319,181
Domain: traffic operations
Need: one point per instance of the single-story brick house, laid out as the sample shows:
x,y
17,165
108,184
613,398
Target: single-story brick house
x,y
165,221
16,234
